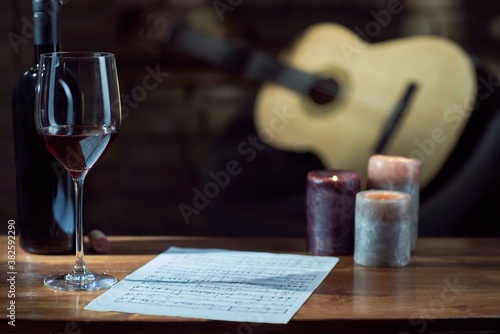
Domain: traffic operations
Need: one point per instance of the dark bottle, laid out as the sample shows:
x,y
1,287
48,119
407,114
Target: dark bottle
x,y
45,204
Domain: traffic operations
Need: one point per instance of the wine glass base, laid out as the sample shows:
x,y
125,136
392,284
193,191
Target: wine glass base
x,y
86,282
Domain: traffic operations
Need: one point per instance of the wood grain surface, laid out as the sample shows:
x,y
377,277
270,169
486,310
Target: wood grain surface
x,y
451,285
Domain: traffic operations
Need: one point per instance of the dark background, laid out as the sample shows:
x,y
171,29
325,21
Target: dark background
x,y
167,137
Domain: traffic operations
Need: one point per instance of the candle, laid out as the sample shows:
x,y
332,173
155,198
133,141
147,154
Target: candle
x,y
331,197
382,228
399,174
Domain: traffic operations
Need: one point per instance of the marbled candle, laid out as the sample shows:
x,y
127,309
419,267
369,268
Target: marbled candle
x,y
399,174
331,197
382,228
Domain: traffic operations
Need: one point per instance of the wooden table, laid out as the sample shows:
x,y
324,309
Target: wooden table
x,y
451,285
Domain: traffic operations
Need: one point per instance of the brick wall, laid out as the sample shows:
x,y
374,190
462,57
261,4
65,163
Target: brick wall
x,y
154,164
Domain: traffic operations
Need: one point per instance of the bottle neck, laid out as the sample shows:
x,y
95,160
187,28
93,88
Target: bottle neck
x,y
45,48
46,29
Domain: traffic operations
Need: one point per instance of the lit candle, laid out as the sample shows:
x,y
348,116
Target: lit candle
x,y
399,174
382,228
331,197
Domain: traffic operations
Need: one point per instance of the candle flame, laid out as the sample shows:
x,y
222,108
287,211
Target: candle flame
x,y
335,178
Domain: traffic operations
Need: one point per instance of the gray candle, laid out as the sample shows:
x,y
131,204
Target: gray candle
x,y
399,174
382,234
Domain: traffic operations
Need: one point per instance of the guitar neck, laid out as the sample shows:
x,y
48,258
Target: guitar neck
x,y
239,59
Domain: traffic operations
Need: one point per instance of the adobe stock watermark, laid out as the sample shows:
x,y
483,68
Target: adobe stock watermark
x,y
222,6
139,93
455,116
448,295
28,27
11,272
248,151
150,81
70,327
248,326
372,29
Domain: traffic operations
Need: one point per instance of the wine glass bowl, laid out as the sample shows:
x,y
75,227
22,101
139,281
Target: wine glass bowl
x,y
77,116
77,148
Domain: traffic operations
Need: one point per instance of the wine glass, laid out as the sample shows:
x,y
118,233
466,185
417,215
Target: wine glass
x,y
78,115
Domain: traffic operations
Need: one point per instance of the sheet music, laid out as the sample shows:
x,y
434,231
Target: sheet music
x,y
219,285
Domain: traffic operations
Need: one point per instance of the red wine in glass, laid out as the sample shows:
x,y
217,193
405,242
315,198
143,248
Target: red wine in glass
x,y
77,148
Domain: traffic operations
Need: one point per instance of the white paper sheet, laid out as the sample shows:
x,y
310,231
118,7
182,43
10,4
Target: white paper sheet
x,y
219,285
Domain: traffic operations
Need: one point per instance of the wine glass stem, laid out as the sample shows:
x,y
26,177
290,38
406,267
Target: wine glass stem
x,y
80,268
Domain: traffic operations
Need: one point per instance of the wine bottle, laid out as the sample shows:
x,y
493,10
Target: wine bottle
x,y
45,203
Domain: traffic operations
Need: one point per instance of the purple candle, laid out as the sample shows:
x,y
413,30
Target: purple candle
x,y
331,198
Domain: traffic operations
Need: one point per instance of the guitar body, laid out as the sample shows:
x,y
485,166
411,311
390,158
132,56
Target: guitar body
x,y
372,78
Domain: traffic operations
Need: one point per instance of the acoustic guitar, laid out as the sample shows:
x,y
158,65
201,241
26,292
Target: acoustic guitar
x,y
345,99
372,79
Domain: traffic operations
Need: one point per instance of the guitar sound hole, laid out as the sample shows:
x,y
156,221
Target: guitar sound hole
x,y
324,91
